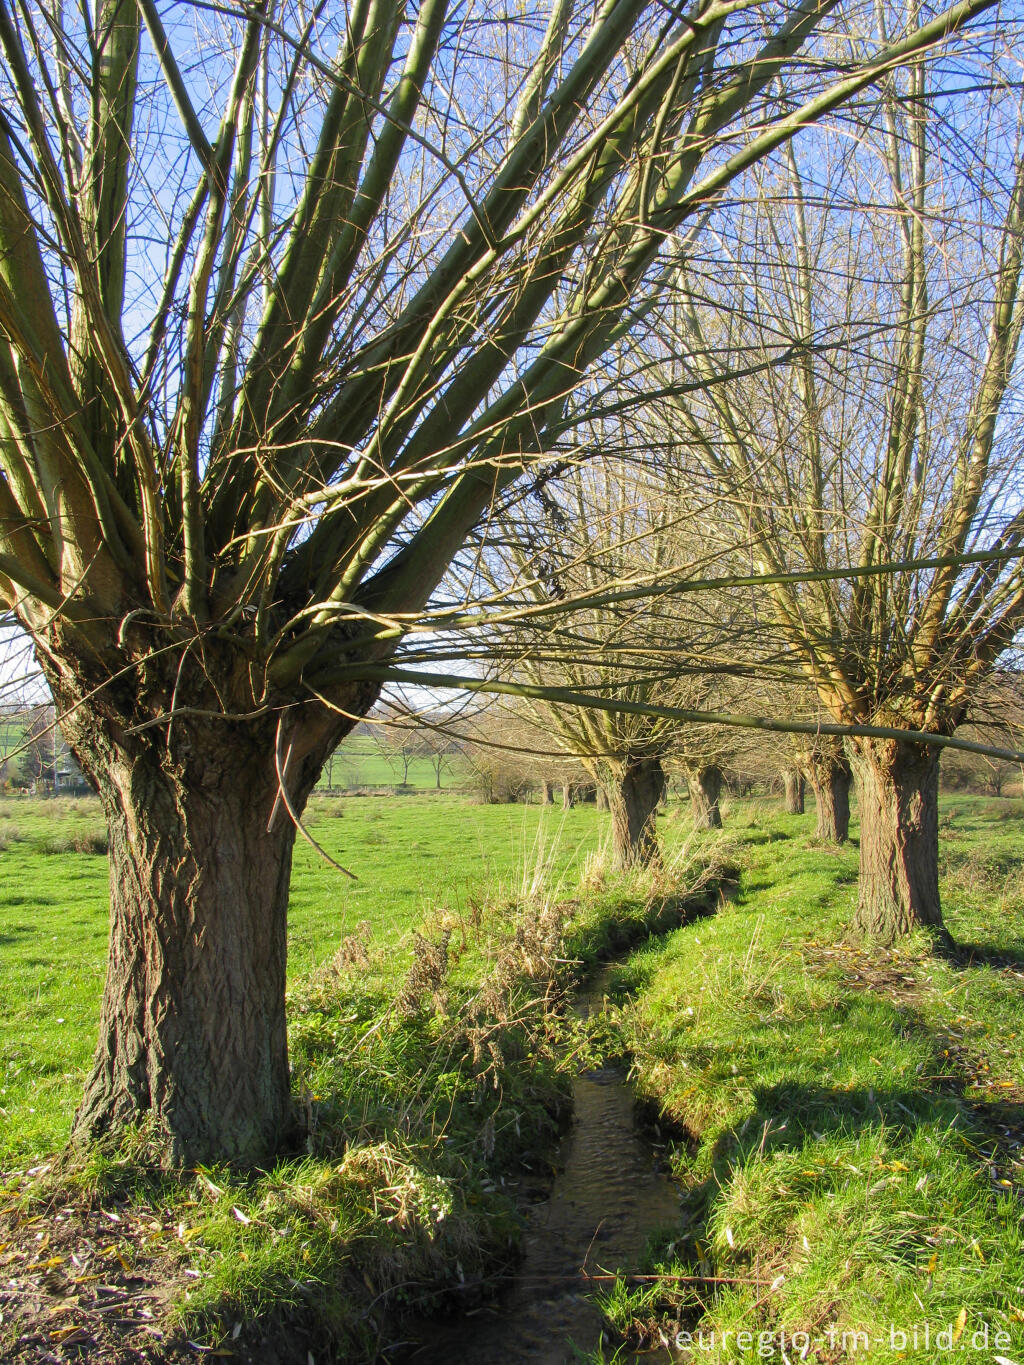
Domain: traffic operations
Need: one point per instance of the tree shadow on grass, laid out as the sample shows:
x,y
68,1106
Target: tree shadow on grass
x,y
797,1110
16,933
962,953
790,1113
793,1117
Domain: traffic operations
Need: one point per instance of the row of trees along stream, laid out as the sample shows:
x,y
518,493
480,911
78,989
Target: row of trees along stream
x,y
295,303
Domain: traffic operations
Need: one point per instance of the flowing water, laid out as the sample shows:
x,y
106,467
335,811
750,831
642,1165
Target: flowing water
x,y
610,1193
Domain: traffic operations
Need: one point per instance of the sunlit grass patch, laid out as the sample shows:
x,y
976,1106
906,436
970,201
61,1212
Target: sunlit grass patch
x,y
425,1066
840,1176
54,919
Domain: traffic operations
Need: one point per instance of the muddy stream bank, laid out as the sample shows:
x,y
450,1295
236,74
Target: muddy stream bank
x,y
610,1192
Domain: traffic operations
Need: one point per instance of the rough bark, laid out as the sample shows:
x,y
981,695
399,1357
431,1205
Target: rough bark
x,y
192,1036
568,795
547,793
793,784
830,777
634,800
897,796
601,797
192,1048
705,786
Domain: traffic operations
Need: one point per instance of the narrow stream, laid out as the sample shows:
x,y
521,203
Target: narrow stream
x,y
610,1193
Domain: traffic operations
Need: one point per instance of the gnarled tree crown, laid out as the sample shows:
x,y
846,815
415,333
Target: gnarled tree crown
x,y
285,296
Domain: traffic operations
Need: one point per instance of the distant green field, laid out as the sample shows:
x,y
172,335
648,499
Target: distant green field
x,y
412,857
360,762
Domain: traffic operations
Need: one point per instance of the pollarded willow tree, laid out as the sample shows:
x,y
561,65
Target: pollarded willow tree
x,y
577,536
886,431
996,712
286,295
809,758
827,768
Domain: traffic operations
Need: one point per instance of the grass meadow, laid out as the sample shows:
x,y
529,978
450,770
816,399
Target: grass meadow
x,y
853,1119
847,1123
415,859
360,762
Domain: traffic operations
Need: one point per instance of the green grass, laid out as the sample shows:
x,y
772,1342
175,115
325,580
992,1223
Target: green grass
x,y
839,1105
425,1057
53,949
415,859
359,762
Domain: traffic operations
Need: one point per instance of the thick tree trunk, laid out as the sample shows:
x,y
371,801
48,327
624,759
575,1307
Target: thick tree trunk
x,y
184,747
568,795
634,804
601,797
547,795
705,784
192,1049
793,783
830,779
192,1042
898,800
